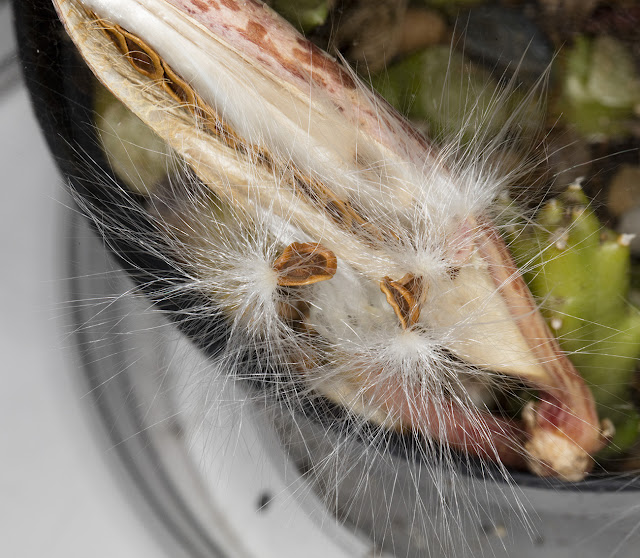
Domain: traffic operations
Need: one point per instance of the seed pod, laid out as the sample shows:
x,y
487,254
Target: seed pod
x,y
303,156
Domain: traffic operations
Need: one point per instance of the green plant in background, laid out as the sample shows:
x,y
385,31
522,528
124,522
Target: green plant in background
x,y
600,87
305,14
447,94
424,88
134,152
581,273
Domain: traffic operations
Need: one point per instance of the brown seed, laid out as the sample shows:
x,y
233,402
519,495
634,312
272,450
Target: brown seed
x,y
365,229
114,33
216,125
304,263
146,61
142,57
294,312
401,298
416,286
179,89
339,212
312,188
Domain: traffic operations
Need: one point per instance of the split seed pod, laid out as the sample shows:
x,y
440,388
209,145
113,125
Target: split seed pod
x,y
336,230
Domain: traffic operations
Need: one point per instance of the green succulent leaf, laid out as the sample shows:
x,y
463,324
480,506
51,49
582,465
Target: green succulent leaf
x,y
305,14
581,273
449,96
600,87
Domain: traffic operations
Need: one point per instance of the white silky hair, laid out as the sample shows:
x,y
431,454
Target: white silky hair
x,y
224,244
227,256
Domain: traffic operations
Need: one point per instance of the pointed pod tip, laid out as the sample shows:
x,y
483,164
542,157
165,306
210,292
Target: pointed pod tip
x,y
552,454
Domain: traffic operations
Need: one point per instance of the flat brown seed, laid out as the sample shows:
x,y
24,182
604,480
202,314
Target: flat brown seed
x,y
416,286
215,125
142,57
402,301
177,87
114,33
339,213
365,229
304,263
319,194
